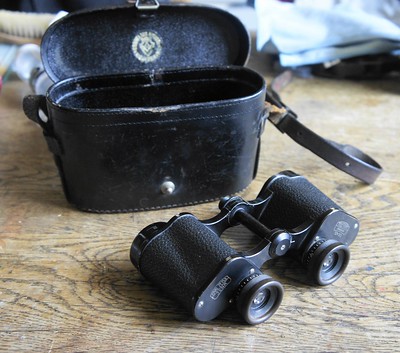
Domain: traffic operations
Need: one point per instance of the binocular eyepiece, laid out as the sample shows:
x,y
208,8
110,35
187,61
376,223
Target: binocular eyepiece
x,y
258,298
190,262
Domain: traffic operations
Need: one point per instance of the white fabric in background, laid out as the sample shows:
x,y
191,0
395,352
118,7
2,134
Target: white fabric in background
x,y
310,32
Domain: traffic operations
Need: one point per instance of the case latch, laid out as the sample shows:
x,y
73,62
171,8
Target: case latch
x,y
147,5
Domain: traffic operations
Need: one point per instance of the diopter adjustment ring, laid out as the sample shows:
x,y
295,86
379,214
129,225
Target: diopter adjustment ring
x,y
311,252
243,283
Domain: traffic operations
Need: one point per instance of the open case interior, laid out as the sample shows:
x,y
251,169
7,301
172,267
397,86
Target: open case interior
x,y
122,40
157,89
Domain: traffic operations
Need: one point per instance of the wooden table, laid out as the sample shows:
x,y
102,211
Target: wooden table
x,y
67,284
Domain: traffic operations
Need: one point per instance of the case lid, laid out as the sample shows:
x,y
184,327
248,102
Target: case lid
x,y
125,39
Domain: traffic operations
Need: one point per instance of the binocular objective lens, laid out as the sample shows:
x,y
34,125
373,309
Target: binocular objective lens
x,y
259,298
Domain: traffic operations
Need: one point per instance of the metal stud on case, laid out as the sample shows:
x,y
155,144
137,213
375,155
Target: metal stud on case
x,y
167,187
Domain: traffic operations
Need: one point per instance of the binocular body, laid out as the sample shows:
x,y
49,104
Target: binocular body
x,y
190,262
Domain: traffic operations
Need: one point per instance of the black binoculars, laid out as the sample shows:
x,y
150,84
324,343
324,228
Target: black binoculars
x,y
189,261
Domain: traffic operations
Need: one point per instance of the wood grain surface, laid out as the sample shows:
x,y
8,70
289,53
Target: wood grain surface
x,y
67,284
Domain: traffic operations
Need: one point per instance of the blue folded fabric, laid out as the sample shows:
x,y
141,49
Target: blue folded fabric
x,y
311,32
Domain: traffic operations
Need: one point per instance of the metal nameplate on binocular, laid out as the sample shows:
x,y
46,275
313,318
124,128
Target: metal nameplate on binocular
x,y
189,261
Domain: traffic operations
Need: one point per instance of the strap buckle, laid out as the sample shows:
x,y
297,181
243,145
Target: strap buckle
x,y
144,5
278,111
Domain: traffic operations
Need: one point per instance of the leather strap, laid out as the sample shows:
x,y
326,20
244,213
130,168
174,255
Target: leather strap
x,y
35,109
344,157
363,67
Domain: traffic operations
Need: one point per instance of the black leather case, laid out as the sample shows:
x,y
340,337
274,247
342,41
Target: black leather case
x,y
151,108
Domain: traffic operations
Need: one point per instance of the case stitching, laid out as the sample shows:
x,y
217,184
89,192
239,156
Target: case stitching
x,y
164,121
154,208
148,112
